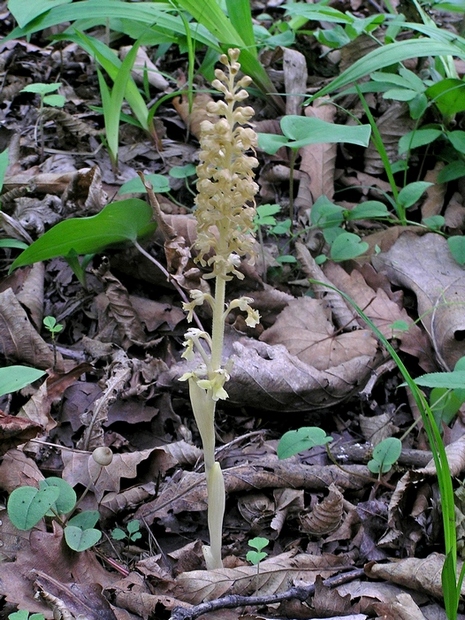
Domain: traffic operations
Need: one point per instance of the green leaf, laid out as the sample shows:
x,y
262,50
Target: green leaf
x,y
454,380
444,404
306,130
457,139
25,12
181,172
41,89
255,557
56,101
66,499
389,55
347,246
457,248
28,505
368,210
23,614
416,138
116,223
258,543
80,540
400,326
241,18
326,214
412,192
159,183
301,439
118,534
133,526
452,171
434,222
4,161
86,519
385,455
14,378
448,95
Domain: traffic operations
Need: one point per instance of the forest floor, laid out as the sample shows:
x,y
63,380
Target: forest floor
x,y
341,539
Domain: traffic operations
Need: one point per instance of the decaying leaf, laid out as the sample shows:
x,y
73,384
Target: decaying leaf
x,y
413,262
423,575
304,327
275,576
326,516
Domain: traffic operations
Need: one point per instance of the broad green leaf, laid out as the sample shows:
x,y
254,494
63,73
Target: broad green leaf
x,y
116,223
457,139
452,171
305,130
400,94
399,325
159,183
80,540
258,543
27,505
454,380
388,55
23,614
271,143
457,248
416,138
56,101
24,12
301,439
4,160
448,95
85,520
412,192
326,214
133,526
385,455
14,378
444,404
41,89
346,246
66,500
368,210
434,222
241,18
255,557
182,172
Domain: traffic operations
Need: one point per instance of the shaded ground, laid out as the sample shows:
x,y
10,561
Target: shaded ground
x,y
113,374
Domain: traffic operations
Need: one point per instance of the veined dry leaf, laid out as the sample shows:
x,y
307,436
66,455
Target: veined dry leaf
x,y
380,309
16,430
403,608
70,122
433,202
276,574
155,313
304,327
31,294
344,317
326,516
270,378
455,457
423,575
193,118
295,79
392,125
454,215
94,418
19,341
121,309
318,161
376,428
425,265
288,502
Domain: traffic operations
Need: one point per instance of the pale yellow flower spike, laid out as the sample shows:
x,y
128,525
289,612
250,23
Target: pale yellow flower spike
x,y
225,233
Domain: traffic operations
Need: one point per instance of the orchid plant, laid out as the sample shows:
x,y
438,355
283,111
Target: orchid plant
x,y
225,233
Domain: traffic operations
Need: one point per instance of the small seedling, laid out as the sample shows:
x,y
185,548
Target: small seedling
x,y
23,614
304,438
54,498
385,454
132,532
257,555
48,97
50,323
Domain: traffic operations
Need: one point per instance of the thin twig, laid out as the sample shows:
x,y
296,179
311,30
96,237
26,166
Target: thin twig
x,y
301,593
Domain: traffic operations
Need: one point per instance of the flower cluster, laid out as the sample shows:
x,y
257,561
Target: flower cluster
x,y
226,189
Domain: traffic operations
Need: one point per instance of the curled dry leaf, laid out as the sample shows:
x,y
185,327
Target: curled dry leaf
x,y
16,430
19,341
435,194
275,576
304,327
425,266
193,117
423,575
295,79
318,161
402,608
144,69
326,516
